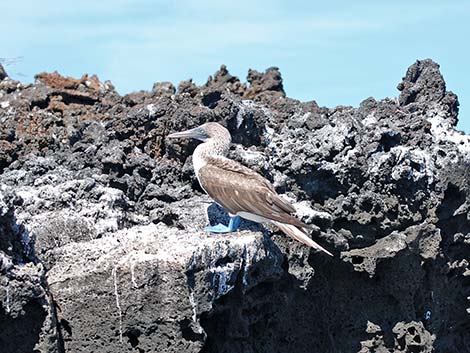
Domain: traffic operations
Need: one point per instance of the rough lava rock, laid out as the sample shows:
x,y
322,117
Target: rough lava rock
x,y
101,217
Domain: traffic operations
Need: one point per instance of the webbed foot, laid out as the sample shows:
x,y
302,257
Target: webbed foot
x,y
220,228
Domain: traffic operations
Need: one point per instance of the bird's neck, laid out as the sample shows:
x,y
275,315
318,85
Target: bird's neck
x,y
209,149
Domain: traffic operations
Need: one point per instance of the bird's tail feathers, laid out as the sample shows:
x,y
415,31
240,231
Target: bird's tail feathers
x,y
297,234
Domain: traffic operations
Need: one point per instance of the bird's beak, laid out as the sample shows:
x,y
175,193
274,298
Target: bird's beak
x,y
196,133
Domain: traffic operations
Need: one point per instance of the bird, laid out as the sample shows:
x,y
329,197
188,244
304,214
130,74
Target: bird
x,y
241,191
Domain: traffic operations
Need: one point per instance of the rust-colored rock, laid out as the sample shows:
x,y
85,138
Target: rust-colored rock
x,y
268,84
7,153
55,80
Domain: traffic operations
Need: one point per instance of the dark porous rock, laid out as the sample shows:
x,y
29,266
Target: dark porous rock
x,y
102,247
163,88
423,83
224,81
28,321
3,73
267,84
189,87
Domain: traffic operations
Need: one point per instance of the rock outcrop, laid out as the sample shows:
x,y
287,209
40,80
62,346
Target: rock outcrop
x,y
101,217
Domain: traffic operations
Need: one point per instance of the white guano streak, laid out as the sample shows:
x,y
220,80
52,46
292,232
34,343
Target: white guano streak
x,y
118,305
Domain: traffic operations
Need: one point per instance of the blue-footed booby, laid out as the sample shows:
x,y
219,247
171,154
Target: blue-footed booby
x,y
239,190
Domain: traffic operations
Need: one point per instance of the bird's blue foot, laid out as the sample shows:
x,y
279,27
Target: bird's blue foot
x,y
220,228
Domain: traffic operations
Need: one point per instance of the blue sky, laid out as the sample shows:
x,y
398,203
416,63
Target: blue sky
x,y
335,52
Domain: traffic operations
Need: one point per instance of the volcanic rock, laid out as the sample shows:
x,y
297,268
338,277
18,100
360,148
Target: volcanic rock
x,y
102,246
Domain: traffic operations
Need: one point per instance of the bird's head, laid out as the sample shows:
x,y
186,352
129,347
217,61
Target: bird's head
x,y
205,132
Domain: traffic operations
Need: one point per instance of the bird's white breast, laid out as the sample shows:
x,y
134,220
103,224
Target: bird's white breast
x,y
198,158
198,163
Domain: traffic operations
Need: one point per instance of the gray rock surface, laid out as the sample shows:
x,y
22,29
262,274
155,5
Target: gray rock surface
x,y
101,218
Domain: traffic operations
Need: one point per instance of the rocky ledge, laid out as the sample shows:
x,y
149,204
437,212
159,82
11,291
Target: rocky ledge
x,y
101,241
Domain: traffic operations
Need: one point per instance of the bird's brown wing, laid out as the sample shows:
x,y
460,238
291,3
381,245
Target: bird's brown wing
x,y
238,188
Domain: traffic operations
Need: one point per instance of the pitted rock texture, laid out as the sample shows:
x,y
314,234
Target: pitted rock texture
x,y
101,218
